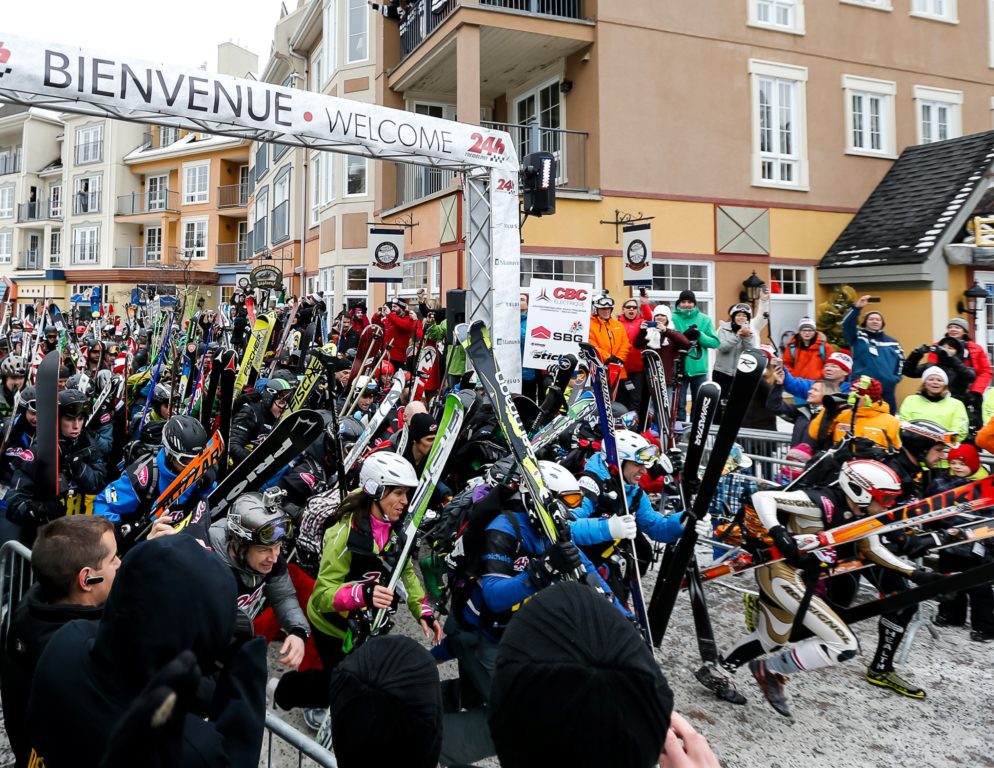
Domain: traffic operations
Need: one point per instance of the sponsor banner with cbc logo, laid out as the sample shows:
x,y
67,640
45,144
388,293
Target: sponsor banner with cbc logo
x,y
558,319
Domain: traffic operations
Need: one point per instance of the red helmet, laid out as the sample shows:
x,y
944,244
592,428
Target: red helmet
x,y
386,369
80,330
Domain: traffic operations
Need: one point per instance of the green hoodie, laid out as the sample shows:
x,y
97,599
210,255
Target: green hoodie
x,y
682,320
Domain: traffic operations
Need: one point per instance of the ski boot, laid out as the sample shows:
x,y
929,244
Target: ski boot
x,y
772,685
717,683
895,682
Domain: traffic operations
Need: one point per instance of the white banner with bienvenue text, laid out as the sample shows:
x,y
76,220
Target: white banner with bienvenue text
x,y
558,320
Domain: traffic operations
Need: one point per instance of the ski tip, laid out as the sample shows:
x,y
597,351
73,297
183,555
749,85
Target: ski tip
x,y
461,332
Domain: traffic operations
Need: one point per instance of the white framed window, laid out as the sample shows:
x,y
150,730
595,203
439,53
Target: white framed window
x,y
6,202
261,213
435,275
314,193
316,72
574,269
938,114
791,298
355,176
326,284
779,125
669,278
542,105
196,183
87,194
879,5
55,201
936,10
356,286
155,192
6,246
167,135
869,109
195,238
281,206
153,244
55,244
781,15
330,38
89,144
85,245
357,24
415,277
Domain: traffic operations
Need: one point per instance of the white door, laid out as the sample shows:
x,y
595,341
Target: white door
x,y
985,313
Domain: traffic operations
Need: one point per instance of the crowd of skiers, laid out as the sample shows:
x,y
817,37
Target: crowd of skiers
x,y
311,553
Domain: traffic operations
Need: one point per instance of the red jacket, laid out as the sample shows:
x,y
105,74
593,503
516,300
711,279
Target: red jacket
x,y
399,330
633,362
978,360
807,362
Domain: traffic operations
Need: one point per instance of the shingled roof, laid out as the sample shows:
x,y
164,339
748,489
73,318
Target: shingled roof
x,y
921,202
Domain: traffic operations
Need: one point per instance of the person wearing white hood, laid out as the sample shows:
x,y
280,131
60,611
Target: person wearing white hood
x,y
934,402
659,335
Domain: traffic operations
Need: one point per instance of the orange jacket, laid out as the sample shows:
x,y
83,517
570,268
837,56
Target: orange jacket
x,y
807,363
873,422
985,437
610,339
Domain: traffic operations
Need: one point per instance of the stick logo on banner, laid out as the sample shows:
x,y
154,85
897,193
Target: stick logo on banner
x,y
386,254
637,254
558,320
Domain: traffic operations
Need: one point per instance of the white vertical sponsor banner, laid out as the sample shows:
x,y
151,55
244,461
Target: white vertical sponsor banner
x,y
636,252
386,254
558,319
505,248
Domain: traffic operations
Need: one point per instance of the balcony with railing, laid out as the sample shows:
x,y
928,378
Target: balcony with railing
x,y
415,182
425,17
232,253
30,259
156,201
89,152
84,254
145,256
39,210
86,202
232,196
9,164
55,260
569,148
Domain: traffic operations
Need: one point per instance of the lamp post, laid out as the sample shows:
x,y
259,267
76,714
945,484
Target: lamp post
x,y
753,290
973,294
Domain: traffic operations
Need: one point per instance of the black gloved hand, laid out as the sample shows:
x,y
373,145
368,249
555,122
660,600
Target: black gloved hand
x,y
44,510
676,459
693,333
785,544
561,558
922,576
614,360
920,350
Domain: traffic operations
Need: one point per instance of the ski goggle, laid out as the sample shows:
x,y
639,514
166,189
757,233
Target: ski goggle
x,y
273,532
571,499
75,411
885,498
647,455
31,405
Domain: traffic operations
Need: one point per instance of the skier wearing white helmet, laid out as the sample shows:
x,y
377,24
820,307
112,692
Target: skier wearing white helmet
x,y
602,518
353,572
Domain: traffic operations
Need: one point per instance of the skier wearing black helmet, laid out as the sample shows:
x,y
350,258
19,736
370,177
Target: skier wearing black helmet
x,y
13,373
258,414
127,501
159,411
82,472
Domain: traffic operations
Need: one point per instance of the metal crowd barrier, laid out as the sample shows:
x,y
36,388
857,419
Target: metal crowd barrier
x,y
15,579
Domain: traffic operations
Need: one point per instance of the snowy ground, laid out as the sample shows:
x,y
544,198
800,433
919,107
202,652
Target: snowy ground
x,y
840,719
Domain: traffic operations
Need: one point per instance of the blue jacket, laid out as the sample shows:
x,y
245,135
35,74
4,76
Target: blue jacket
x,y
119,500
799,387
589,528
874,353
505,577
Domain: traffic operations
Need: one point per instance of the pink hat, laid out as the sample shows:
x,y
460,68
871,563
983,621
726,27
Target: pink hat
x,y
842,360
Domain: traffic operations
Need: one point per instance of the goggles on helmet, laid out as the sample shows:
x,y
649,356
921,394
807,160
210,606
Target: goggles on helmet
x,y
75,411
273,532
571,499
647,455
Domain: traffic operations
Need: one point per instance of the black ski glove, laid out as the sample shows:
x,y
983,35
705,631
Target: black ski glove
x,y
614,360
676,459
692,334
922,576
785,544
43,511
561,558
920,350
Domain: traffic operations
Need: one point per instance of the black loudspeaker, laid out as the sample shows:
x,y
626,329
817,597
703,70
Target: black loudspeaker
x,y
538,171
455,311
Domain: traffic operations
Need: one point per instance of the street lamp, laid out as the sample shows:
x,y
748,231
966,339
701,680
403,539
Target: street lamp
x,y
972,295
753,290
